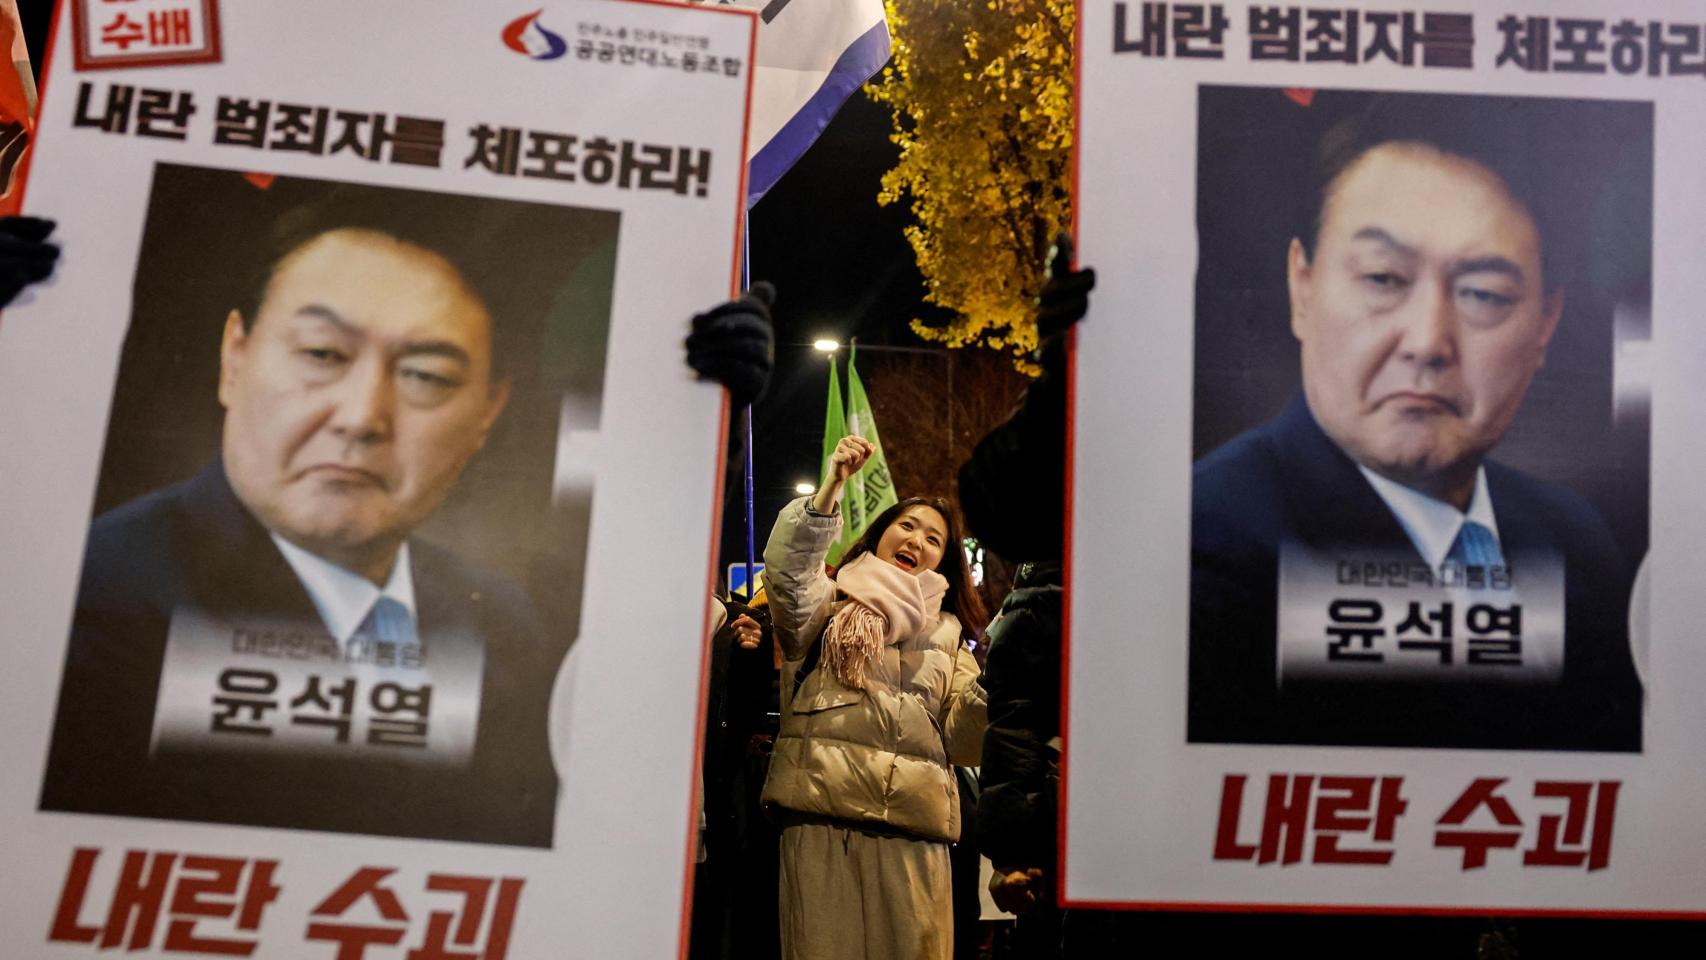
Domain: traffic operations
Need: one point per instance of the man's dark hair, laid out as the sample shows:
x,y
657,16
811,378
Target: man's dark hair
x,y
472,234
1546,157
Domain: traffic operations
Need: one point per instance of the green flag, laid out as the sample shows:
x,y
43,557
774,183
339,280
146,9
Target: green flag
x,y
834,422
871,490
834,428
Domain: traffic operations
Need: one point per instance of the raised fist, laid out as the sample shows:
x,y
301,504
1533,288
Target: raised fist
x,y
850,454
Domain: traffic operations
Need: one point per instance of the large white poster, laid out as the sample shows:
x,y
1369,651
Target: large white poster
x,y
358,501
1383,532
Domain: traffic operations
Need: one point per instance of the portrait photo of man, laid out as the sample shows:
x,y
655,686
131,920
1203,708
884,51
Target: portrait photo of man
x,y
328,620
1418,500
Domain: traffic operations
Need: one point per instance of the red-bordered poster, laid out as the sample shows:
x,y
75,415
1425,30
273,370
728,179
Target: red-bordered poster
x,y
1382,531
360,501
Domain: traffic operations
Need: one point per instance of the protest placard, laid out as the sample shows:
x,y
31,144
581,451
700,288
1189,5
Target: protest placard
x,y
1382,535
359,501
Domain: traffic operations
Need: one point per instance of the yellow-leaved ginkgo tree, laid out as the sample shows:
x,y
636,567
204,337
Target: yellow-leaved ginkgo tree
x,y
981,93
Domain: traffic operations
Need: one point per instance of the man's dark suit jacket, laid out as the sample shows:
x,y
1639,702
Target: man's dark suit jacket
x,y
1287,482
195,544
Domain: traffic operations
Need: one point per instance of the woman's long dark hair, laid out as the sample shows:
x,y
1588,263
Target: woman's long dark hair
x,y
962,598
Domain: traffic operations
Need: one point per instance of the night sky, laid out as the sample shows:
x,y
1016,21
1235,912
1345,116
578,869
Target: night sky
x,y
841,268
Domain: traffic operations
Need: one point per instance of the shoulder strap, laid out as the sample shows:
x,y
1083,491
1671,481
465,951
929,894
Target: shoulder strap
x,y
813,654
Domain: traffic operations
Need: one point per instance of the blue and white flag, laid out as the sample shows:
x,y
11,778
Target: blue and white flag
x,y
812,56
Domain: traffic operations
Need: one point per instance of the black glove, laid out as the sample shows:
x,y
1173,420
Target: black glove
x,y
25,255
733,343
1062,303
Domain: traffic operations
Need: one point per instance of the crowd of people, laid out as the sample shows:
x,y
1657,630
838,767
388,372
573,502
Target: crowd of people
x,y
872,783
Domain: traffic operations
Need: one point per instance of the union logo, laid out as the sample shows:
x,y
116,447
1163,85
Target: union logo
x,y
527,36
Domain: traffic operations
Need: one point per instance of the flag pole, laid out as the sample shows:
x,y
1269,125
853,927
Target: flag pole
x,y
746,420
750,592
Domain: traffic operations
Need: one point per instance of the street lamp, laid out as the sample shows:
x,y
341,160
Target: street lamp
x,y
826,345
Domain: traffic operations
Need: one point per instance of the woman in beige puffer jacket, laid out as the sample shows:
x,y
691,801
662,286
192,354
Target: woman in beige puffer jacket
x,y
861,778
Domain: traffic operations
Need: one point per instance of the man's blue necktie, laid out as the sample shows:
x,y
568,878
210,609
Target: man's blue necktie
x,y
389,622
1475,546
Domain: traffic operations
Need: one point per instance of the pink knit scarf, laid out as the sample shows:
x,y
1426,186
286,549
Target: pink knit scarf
x,y
886,605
